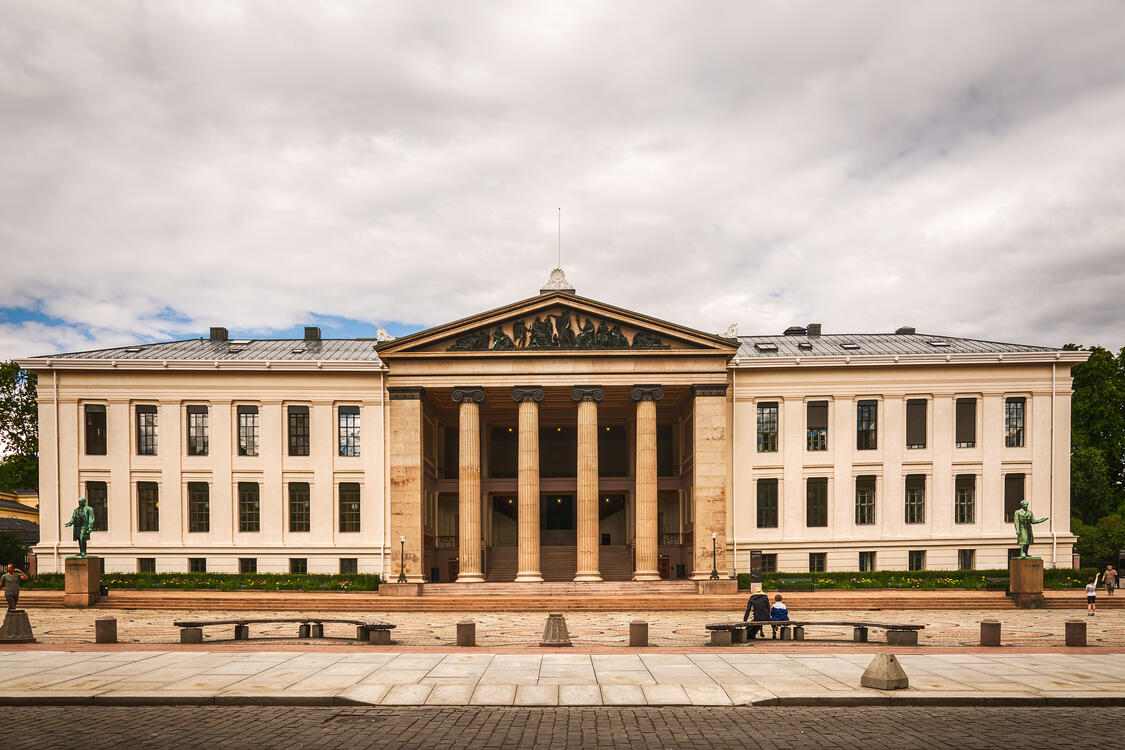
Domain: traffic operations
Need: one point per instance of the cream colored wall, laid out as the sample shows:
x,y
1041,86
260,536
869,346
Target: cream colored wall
x,y
793,386
222,469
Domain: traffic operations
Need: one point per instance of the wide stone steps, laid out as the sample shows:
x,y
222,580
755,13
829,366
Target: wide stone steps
x,y
560,563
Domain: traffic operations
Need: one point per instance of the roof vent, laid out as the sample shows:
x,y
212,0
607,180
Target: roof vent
x,y
765,346
312,333
814,329
218,334
236,349
795,331
806,345
849,345
905,330
938,343
132,349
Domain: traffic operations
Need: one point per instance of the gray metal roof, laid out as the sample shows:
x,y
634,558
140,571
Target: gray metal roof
x,y
871,344
275,350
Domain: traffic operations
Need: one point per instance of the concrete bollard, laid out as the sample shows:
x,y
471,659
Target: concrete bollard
x,y
105,630
317,630
380,637
720,637
466,633
303,630
191,635
859,635
361,633
1076,632
638,633
554,631
798,632
902,637
242,632
990,633
785,634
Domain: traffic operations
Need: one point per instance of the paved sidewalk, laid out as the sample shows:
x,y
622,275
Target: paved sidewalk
x,y
548,679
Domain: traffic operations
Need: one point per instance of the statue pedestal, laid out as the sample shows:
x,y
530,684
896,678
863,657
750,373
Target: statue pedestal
x,y
1025,582
17,629
83,581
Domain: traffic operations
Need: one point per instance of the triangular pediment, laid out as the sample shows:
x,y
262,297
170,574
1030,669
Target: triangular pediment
x,y
557,324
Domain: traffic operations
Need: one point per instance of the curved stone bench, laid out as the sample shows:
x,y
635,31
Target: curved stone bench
x,y
372,631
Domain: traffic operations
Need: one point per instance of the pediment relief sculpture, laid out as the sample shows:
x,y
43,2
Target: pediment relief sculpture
x,y
559,330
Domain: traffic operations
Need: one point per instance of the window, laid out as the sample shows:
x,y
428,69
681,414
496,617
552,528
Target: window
x,y
915,498
817,562
866,420
95,429
964,501
247,565
816,502
299,506
247,430
146,430
866,562
864,500
148,501
298,430
146,564
349,565
197,564
349,506
349,430
965,433
769,563
97,497
199,507
767,427
816,424
1013,496
916,559
197,419
298,565
916,423
767,503
249,507
966,559
1013,422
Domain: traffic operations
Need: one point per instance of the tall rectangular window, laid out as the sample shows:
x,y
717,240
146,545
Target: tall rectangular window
x,y
247,565
816,502
146,430
299,506
148,504
1013,495
964,499
866,562
248,430
197,428
767,427
767,503
298,419
349,430
816,425
915,498
349,506
966,559
769,562
818,562
97,497
916,559
1014,422
916,423
866,425
865,500
965,433
199,507
249,507
95,429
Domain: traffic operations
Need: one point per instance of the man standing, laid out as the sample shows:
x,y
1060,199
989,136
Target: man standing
x,y
83,522
1024,519
11,583
1109,577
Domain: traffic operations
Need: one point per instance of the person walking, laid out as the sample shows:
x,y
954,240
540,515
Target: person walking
x,y
1092,596
778,613
10,581
1109,578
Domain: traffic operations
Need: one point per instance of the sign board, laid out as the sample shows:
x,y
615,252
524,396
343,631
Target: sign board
x,y
755,566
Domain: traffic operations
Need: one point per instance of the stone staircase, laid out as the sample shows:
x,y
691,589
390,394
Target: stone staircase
x,y
560,563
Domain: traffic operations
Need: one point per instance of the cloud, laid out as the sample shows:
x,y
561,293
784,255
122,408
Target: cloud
x,y
168,166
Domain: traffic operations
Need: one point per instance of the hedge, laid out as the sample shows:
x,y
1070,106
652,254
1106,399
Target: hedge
x,y
223,581
1053,578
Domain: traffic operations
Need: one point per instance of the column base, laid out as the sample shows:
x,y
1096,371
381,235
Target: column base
x,y
529,578
588,578
470,578
646,575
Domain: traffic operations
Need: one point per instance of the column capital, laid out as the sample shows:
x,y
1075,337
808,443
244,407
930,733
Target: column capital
x,y
581,393
405,393
523,393
709,389
471,393
646,393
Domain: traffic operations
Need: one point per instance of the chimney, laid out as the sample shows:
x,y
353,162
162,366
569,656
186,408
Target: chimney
x,y
814,329
218,334
312,333
905,330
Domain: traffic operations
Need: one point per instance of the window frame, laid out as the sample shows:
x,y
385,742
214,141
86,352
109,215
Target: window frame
x,y
816,438
866,504
298,430
100,505
1015,422
353,562
972,554
146,418
298,565
147,516
768,425
867,561
767,505
914,499
964,509
303,509
199,508
972,426
349,516
867,424
820,498
347,430
198,430
913,405
821,562
197,564
249,507
248,421
247,565
101,434
912,556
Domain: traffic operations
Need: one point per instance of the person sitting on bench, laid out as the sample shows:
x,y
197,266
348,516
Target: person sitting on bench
x,y
760,604
778,613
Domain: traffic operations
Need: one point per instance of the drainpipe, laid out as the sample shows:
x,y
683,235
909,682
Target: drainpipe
x,y
1054,534
734,467
58,479
386,506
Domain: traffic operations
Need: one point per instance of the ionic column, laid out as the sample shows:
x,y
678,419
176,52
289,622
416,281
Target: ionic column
x,y
646,397
587,398
528,398
709,478
468,484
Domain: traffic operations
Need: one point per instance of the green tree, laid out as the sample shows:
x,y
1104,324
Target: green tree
x,y
19,428
12,550
1097,435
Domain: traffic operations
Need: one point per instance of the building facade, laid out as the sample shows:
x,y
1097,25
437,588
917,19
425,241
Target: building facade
x,y
556,438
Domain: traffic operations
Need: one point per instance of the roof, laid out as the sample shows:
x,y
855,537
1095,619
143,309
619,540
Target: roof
x,y
6,504
28,531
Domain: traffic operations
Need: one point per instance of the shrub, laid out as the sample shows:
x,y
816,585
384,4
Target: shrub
x,y
224,581
926,580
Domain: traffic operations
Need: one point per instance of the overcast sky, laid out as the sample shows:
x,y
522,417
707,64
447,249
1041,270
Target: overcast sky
x,y
165,166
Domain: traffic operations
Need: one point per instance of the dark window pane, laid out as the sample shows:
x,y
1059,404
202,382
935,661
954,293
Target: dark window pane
x,y
767,427
769,563
349,430
199,507
503,446
298,565
916,423
966,430
1014,422
95,430
146,564
613,450
247,565
917,560
865,500
197,564
866,562
349,506
867,417
916,498
1013,495
197,438
97,497
349,565
249,507
298,423
248,432
146,430
148,514
966,559
449,458
816,502
767,503
665,451
818,562
300,513
965,498
817,425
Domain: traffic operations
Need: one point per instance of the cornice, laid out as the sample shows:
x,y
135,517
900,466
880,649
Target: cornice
x,y
1059,357
200,365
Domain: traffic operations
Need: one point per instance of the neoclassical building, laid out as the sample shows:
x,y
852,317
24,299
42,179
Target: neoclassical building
x,y
556,438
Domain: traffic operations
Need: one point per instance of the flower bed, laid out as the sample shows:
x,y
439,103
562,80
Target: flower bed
x,y
222,581
1053,578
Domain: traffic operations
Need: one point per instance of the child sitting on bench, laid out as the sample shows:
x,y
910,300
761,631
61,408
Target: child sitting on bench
x,y
778,613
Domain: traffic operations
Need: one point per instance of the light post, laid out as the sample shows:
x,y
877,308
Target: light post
x,y
402,560
714,564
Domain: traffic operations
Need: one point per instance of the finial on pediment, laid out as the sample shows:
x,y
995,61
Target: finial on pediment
x,y
382,335
731,332
557,283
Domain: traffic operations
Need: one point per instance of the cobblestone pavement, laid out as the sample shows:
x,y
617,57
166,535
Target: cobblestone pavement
x,y
275,728
948,628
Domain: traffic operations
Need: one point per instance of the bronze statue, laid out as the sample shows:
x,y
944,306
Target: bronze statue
x,y
647,340
1024,519
472,341
83,522
602,336
565,332
617,339
540,334
585,338
519,333
501,340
